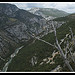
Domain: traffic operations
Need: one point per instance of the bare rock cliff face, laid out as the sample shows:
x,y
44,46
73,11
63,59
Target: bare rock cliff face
x,y
16,24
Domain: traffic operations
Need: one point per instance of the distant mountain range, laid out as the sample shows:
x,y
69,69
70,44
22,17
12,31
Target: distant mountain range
x,y
48,13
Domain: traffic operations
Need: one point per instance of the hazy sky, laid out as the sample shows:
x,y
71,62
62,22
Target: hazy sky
x,y
65,6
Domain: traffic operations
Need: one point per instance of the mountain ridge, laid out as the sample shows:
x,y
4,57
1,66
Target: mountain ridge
x,y
48,12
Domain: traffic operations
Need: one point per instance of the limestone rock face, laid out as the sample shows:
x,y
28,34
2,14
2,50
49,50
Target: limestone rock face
x,y
18,30
16,25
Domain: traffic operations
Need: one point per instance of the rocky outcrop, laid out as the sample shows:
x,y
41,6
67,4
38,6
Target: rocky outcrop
x,y
34,60
18,31
50,60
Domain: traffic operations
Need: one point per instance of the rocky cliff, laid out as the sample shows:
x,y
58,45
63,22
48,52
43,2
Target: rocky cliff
x,y
16,24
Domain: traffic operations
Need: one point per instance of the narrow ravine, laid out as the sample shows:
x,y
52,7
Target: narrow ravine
x,y
5,68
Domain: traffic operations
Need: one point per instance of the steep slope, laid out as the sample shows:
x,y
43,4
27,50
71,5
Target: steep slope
x,y
31,21
41,52
15,24
48,13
